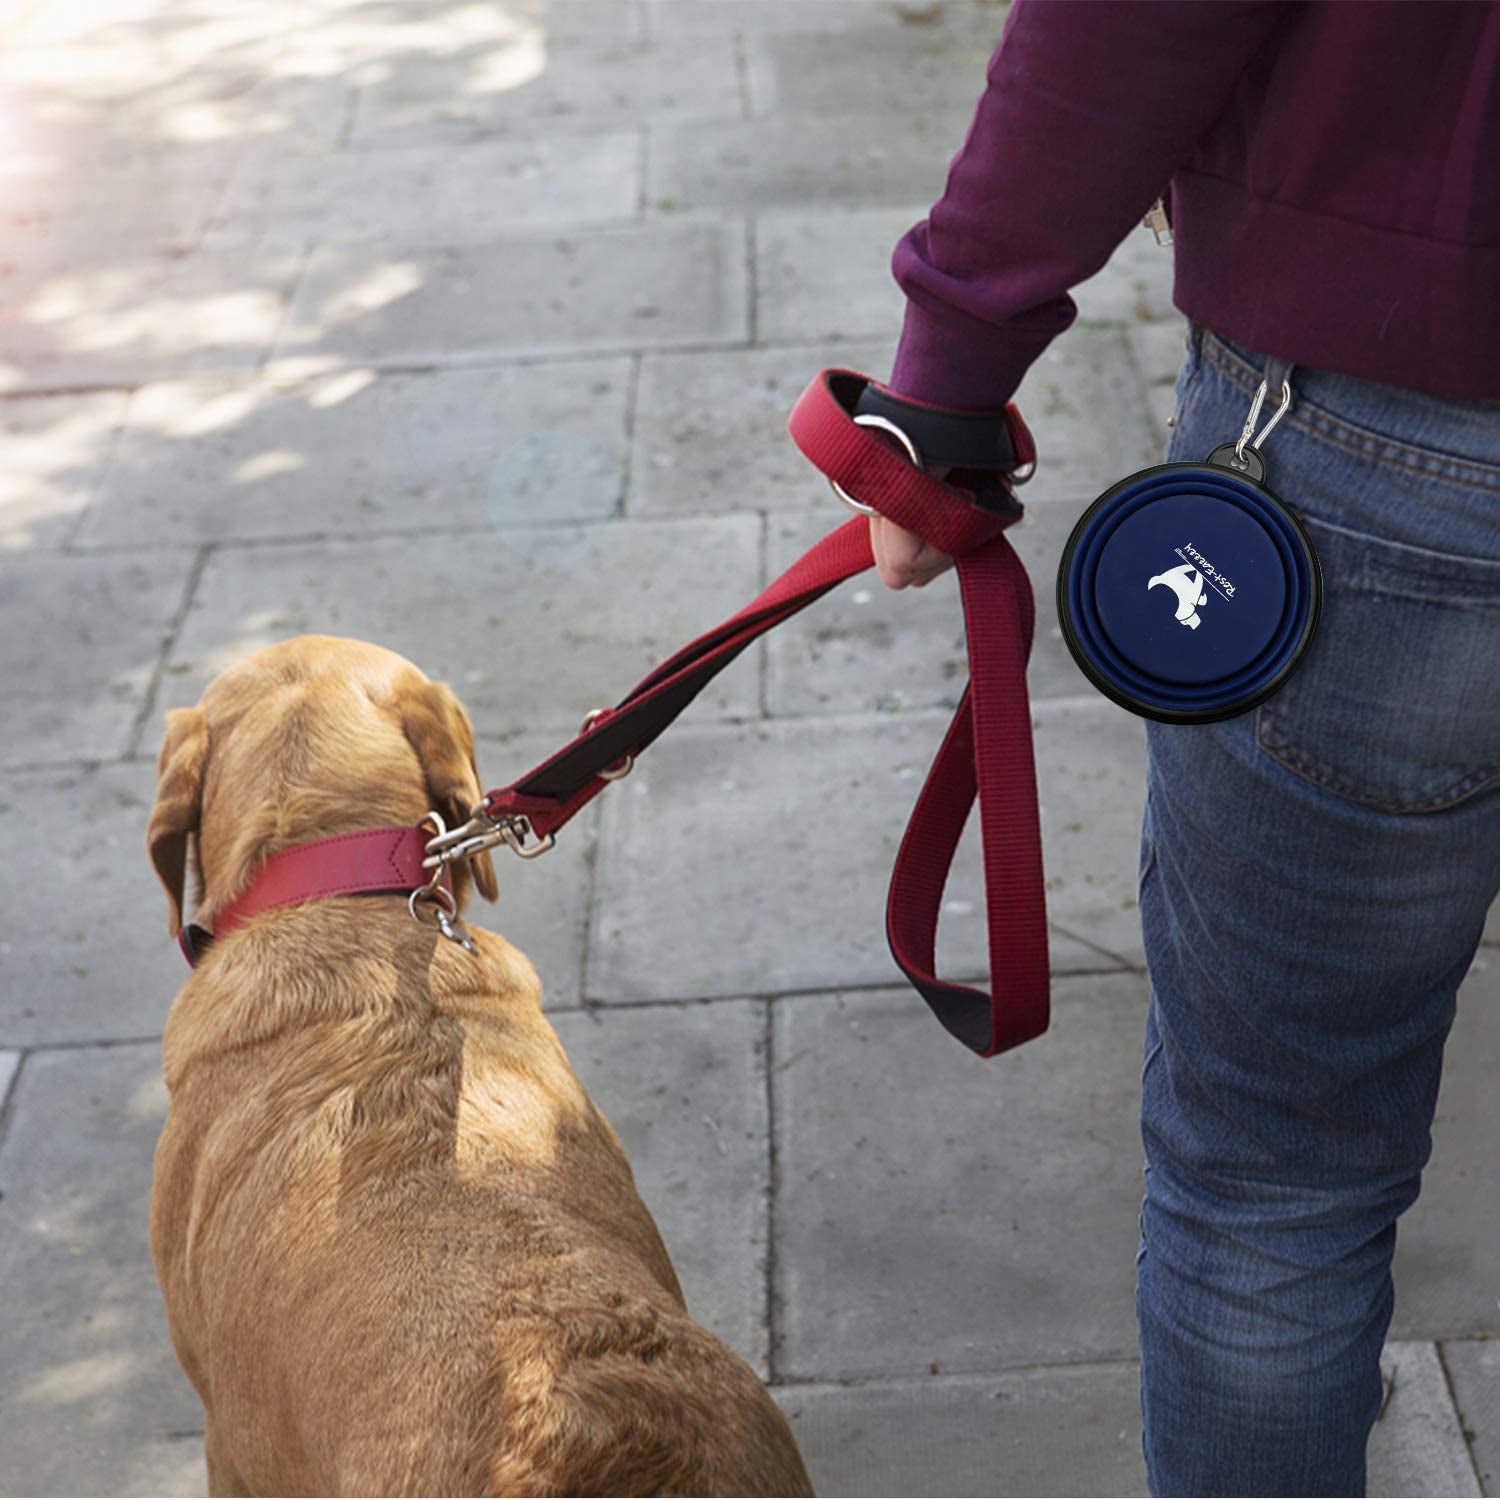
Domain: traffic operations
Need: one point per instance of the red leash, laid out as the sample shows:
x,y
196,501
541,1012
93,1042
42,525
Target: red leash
x,y
987,753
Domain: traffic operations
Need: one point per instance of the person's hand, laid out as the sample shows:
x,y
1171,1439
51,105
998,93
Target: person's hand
x,y
904,560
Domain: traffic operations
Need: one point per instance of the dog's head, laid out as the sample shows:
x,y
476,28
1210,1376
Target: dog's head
x,y
311,737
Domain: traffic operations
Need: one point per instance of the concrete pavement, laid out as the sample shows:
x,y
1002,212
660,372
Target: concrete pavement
x,y
472,329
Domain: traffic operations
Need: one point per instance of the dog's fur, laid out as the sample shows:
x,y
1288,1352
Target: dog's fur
x,y
401,1250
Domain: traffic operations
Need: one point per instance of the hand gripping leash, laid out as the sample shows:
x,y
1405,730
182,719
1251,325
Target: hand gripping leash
x,y
986,754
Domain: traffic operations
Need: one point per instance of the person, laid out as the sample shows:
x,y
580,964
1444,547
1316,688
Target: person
x,y
1315,873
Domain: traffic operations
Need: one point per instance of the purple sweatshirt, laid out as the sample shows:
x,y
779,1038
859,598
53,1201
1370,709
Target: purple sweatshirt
x,y
1334,173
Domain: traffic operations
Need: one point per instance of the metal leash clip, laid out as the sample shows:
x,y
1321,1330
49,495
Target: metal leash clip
x,y
482,832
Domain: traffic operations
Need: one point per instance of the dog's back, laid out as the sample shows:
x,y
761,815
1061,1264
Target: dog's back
x,y
402,1250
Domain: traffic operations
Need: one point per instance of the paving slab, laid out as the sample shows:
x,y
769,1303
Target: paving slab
x,y
347,36
102,967
9,1062
1060,1430
1417,1447
864,647
1071,1430
528,80
1082,401
162,205
56,449
858,156
769,849
80,640
825,277
1135,286
126,318
1159,349
999,1230
913,17
826,274
664,285
351,451
710,430
1446,1283
87,1373
532,626
1473,1367
685,1087
163,1466
907,69
418,196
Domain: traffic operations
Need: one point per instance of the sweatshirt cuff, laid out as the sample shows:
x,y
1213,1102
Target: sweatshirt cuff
x,y
956,362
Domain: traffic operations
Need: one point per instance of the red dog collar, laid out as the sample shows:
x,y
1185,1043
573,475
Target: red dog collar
x,y
384,861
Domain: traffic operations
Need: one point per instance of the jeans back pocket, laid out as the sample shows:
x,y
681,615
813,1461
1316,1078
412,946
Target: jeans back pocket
x,y
1397,703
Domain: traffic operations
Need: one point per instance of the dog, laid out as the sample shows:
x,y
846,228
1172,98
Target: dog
x,y
400,1248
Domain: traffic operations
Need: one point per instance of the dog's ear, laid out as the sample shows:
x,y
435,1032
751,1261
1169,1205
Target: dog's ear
x,y
179,802
440,733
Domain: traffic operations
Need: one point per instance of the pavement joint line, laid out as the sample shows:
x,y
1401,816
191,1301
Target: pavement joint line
x,y
61,392
772,1306
741,73
752,283
456,528
1141,384
762,646
591,858
946,1377
398,532
302,258
83,765
8,1102
810,992
495,358
70,547
622,511
1122,964
642,170
82,1044
1466,1433
346,124
168,645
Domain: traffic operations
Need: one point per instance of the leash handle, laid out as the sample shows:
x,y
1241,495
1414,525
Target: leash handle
x,y
986,756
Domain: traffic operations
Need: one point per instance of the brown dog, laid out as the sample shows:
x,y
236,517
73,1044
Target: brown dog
x,y
401,1250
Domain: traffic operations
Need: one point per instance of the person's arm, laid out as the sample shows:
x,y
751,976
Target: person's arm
x,y
1090,107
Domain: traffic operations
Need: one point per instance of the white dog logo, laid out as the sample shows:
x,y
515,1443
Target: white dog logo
x,y
1187,582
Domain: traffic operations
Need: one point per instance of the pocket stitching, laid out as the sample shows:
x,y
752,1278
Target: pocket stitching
x,y
1280,749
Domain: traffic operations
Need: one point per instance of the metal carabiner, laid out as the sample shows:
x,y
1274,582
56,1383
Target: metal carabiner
x,y
1250,421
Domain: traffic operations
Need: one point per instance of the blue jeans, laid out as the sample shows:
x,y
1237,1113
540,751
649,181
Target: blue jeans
x,y
1314,881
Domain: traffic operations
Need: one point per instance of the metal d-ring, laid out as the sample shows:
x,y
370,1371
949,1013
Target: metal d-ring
x,y
1254,417
884,424
444,912
622,767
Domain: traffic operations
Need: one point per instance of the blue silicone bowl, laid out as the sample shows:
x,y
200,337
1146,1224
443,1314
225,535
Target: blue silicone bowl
x,y
1188,593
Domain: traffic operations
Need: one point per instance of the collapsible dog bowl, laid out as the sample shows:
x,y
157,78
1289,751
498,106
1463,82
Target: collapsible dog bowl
x,y
1189,592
